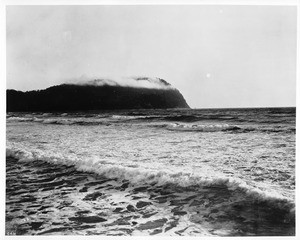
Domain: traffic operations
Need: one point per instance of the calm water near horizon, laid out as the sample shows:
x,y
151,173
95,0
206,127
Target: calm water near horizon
x,y
202,172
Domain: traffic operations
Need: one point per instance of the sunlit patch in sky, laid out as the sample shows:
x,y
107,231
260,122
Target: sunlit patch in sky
x,y
67,36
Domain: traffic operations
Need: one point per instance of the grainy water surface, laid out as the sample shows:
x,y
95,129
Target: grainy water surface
x,y
224,172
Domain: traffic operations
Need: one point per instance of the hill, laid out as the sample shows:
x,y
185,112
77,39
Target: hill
x,y
97,95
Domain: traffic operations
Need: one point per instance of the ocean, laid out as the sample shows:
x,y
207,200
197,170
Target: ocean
x,y
172,172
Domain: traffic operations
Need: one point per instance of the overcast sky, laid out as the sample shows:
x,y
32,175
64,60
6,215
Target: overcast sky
x,y
217,56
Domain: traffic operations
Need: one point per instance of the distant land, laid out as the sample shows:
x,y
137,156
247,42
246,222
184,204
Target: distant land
x,y
99,94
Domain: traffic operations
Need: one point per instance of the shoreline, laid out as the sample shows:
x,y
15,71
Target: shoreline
x,y
56,199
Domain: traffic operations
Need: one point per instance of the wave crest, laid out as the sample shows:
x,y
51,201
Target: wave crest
x,y
202,128
139,176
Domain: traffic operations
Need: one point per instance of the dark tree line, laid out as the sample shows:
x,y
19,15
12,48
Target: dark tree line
x,y
68,97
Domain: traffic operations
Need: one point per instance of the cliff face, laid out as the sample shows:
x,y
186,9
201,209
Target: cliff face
x,y
70,97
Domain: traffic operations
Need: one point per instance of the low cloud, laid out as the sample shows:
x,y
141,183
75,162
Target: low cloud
x,y
136,82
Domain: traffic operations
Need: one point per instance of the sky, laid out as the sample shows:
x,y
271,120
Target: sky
x,y
216,56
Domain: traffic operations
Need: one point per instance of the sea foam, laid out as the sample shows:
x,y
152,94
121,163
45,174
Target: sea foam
x,y
159,177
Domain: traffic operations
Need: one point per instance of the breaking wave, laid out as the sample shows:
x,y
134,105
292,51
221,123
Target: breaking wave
x,y
178,180
185,127
177,123
202,128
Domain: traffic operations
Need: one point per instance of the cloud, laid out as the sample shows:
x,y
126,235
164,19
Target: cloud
x,y
136,82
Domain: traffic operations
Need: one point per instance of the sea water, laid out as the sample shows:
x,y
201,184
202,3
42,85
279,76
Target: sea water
x,y
203,172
